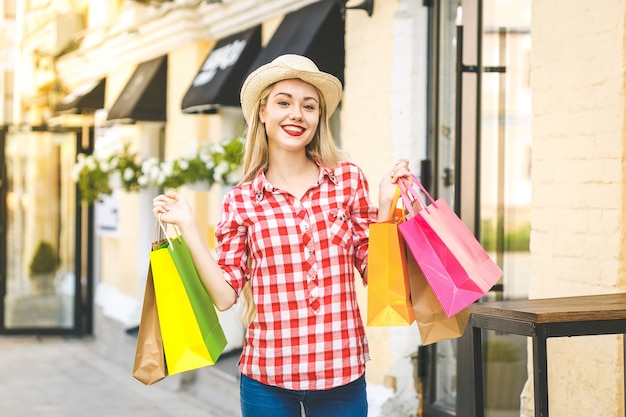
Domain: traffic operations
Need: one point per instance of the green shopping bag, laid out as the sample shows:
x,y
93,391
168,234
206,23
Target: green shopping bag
x,y
192,334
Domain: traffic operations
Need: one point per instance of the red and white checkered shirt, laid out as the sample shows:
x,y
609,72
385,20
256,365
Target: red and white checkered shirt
x,y
308,333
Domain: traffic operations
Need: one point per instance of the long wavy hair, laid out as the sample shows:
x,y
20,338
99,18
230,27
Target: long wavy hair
x,y
321,149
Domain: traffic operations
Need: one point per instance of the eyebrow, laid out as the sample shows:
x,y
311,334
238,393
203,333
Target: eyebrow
x,y
291,96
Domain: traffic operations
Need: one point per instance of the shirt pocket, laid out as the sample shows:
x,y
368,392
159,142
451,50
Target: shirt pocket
x,y
340,228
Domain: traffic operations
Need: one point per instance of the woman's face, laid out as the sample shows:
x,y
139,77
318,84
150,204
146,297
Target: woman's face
x,y
291,115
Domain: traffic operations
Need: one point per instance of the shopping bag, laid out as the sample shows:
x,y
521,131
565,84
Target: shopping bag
x,y
456,266
192,335
388,293
149,365
432,322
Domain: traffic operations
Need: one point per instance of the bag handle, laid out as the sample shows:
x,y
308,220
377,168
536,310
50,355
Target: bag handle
x,y
408,191
164,230
394,204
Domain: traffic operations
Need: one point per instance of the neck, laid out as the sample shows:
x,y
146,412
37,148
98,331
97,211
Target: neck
x,y
294,175
290,164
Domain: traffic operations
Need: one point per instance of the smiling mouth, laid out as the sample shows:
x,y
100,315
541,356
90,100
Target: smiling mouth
x,y
294,130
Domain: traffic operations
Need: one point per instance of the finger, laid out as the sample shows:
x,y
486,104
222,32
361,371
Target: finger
x,y
158,199
402,173
173,195
402,162
160,207
399,170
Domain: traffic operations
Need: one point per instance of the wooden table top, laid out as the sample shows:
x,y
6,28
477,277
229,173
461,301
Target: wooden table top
x,y
556,310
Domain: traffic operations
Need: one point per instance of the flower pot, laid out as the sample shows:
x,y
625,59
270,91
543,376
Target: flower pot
x,y
43,284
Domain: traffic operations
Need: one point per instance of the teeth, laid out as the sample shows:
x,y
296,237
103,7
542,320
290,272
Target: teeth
x,y
294,129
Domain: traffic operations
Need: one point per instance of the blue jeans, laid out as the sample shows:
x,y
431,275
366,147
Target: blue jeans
x,y
260,400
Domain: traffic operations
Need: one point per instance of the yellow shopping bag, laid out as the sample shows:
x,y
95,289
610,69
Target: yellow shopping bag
x,y
192,335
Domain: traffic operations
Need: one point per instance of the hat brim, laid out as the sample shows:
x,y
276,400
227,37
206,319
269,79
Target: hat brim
x,y
328,86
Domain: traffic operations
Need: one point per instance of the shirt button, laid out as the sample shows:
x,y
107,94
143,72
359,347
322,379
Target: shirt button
x,y
309,251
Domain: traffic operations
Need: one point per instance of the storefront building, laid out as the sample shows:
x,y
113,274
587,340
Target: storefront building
x,y
450,84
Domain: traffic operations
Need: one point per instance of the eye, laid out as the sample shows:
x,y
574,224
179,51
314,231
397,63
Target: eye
x,y
310,107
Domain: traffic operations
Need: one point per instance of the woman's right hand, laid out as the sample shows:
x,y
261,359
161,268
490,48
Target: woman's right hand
x,y
173,208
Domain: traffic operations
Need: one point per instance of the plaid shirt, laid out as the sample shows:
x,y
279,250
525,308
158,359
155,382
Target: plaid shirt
x,y
308,333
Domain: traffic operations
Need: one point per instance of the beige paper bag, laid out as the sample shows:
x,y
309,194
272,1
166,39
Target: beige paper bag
x,y
149,366
432,322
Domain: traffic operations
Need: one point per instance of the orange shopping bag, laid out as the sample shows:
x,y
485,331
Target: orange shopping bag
x,y
388,293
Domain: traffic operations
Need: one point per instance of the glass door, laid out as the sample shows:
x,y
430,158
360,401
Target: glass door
x,y
481,144
43,279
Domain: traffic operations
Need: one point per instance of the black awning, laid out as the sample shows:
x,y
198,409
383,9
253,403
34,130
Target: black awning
x,y
219,80
315,31
143,98
86,98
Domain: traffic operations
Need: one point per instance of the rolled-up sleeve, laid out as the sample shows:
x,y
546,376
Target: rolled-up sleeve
x,y
363,213
230,234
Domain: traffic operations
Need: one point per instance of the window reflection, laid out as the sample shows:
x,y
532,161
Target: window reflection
x,y
40,204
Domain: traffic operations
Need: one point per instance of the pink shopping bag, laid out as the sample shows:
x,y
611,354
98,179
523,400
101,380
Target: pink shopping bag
x,y
456,266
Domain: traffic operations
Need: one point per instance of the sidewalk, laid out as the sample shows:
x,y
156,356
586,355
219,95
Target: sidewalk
x,y
67,377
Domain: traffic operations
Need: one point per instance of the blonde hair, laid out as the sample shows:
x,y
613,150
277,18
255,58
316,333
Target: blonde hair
x,y
247,307
322,149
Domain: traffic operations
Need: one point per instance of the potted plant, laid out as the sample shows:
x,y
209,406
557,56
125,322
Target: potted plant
x,y
43,267
505,373
92,175
107,170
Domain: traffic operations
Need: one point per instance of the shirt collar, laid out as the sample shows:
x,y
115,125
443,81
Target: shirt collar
x,y
262,185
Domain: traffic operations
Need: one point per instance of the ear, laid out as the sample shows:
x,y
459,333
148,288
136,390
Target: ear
x,y
262,114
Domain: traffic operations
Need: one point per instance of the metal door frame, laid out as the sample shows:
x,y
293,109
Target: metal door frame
x,y
467,168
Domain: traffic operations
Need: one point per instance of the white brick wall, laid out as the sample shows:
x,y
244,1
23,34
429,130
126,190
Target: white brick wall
x,y
577,240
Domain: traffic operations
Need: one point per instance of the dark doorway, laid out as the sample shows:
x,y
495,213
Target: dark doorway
x,y
46,282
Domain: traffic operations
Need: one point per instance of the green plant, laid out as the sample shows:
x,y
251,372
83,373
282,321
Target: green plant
x,y
498,351
45,259
228,156
129,167
515,238
92,176
212,163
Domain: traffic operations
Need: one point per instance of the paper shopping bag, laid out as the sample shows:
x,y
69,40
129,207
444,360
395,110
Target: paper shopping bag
x,y
149,366
192,334
388,293
433,323
456,266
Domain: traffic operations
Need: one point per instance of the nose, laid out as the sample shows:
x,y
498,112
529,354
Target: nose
x,y
295,115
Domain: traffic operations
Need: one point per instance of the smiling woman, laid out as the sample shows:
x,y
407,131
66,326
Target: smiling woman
x,y
291,234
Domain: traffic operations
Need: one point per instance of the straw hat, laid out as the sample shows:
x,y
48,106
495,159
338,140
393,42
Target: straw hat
x,y
288,67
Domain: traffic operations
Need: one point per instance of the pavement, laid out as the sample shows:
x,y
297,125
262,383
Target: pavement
x,y
68,377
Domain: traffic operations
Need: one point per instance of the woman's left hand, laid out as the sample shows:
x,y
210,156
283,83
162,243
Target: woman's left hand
x,y
388,186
